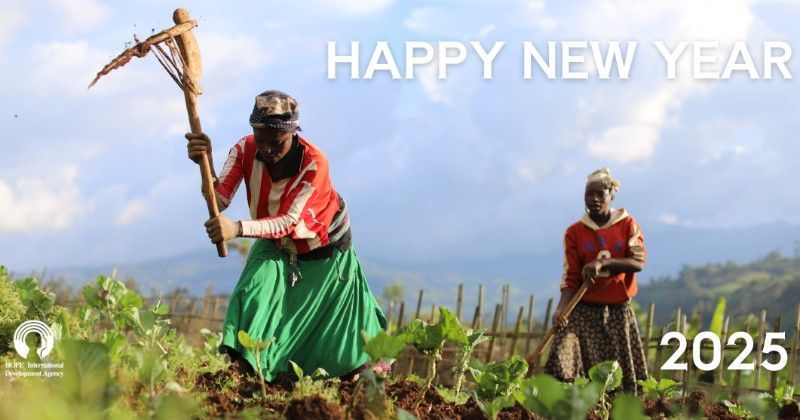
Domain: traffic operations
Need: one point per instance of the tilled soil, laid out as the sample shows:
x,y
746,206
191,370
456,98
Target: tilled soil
x,y
405,394
696,403
230,391
222,401
313,407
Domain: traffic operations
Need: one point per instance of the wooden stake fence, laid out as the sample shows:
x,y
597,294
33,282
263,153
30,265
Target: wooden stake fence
x,y
190,314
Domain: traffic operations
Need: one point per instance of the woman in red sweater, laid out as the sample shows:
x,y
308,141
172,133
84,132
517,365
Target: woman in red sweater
x,y
606,248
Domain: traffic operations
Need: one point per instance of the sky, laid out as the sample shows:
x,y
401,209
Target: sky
x,y
432,169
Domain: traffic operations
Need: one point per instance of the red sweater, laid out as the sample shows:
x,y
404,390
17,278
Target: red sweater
x,y
584,242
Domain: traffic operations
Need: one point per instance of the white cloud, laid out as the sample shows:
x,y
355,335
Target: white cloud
x,y
670,219
353,7
132,211
80,15
47,202
626,143
636,136
226,57
68,67
11,19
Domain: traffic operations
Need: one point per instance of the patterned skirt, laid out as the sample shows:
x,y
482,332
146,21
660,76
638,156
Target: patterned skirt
x,y
596,333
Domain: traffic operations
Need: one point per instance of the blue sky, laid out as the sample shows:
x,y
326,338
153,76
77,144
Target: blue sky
x,y
432,169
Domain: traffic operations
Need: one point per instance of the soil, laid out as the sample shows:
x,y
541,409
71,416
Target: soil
x,y
789,411
314,407
698,403
222,402
657,409
230,391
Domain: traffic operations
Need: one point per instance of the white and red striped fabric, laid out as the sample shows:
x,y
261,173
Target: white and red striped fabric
x,y
300,211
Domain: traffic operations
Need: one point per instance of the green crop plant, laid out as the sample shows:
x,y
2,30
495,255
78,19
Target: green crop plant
x,y
549,398
662,389
739,410
369,390
499,378
430,339
308,385
464,354
12,311
781,396
608,376
256,347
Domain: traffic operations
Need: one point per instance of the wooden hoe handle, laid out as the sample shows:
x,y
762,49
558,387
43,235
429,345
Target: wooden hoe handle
x,y
191,87
533,358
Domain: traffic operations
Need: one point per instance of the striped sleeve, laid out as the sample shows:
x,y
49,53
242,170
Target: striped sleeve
x,y
231,176
636,248
571,277
291,209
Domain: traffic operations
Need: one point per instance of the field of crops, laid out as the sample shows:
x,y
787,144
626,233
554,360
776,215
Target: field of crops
x,y
114,357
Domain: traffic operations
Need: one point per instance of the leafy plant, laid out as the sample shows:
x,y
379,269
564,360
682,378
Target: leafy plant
x,y
608,376
256,347
430,339
782,395
500,378
383,346
87,384
12,311
628,407
308,385
211,342
150,371
662,389
464,354
37,301
115,302
546,396
739,410
493,408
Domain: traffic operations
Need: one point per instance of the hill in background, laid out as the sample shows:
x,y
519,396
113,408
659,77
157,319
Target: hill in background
x,y
772,282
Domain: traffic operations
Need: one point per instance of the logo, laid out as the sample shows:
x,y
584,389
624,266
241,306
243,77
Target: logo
x,y
33,326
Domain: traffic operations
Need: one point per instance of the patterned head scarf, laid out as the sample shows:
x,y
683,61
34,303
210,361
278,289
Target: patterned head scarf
x,y
275,109
603,175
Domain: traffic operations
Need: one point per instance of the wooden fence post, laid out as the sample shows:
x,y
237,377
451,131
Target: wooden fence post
x,y
400,315
494,333
762,320
737,377
547,316
659,352
686,358
459,301
517,332
419,305
480,306
530,326
721,370
648,331
773,377
793,350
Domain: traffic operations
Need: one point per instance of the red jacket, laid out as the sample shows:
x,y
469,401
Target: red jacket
x,y
584,242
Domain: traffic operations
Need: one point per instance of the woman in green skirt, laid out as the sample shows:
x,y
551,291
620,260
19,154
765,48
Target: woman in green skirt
x,y
302,284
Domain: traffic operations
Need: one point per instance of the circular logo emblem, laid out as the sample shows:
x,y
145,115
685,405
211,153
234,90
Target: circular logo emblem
x,y
33,326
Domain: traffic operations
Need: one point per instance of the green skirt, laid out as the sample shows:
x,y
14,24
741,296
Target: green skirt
x,y
316,324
